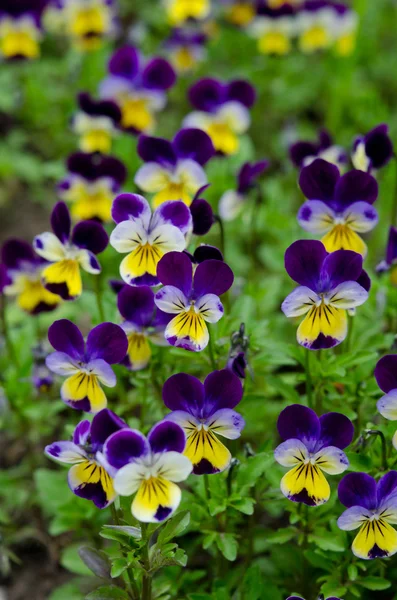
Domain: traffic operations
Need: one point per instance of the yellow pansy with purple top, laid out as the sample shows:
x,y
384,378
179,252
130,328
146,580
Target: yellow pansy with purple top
x,y
138,86
222,111
181,11
92,182
89,22
275,28
303,152
371,508
96,123
86,365
88,478
69,249
146,237
186,48
239,12
329,285
373,150
149,467
192,295
206,411
21,28
311,446
174,170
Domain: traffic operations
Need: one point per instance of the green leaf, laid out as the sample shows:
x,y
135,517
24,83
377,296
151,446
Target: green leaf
x,y
69,591
174,527
281,536
71,561
96,561
228,545
107,593
119,565
253,583
328,541
134,532
333,588
352,572
375,583
249,472
244,505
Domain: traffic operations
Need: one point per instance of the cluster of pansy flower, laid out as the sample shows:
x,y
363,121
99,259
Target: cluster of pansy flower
x,y
179,12
186,48
21,28
313,25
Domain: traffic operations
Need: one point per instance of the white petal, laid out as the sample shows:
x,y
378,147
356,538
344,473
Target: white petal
x,y
332,460
348,294
198,119
236,115
103,371
291,453
316,217
89,262
167,238
129,478
173,466
151,177
61,364
387,406
48,246
127,236
299,302
210,308
230,205
191,174
171,300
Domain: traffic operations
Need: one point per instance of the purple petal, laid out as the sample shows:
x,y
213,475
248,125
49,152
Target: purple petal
x,y
184,392
340,266
241,91
378,146
103,425
93,107
194,144
154,149
249,173
16,252
124,447
174,213
336,430
300,422
207,252
158,75
387,485
358,489
130,206
60,221
391,250
223,389
386,373
356,186
175,268
303,262
318,180
167,437
136,304
125,62
202,216
66,337
207,94
301,150
212,277
81,433
364,280
91,236
107,341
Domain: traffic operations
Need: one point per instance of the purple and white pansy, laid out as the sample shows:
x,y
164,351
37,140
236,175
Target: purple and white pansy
x,y
96,123
303,152
373,150
232,202
386,378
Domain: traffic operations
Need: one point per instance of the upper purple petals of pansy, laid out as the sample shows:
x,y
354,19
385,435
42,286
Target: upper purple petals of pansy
x,y
90,235
223,389
241,91
298,422
193,144
154,149
136,304
127,206
175,213
124,446
387,486
336,430
66,337
378,146
99,107
167,437
318,180
175,268
206,252
356,186
248,173
202,216
212,277
125,62
81,433
358,489
386,373
184,392
208,94
103,425
391,250
15,253
303,262
340,266
158,75
60,221
108,342
93,166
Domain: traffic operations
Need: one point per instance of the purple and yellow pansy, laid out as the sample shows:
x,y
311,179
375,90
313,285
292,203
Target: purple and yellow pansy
x,y
222,111
147,236
20,28
92,182
386,378
174,170
303,152
239,12
89,22
328,287
23,271
274,27
372,508
86,365
192,295
205,411
181,11
144,324
186,48
390,261
138,87
311,446
96,123
87,477
67,250
149,467
373,150
233,201
338,207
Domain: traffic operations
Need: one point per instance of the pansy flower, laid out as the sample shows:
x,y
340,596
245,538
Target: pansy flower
x,y
390,262
239,12
174,170
86,365
68,250
274,28
311,446
20,28
316,22
303,152
139,87
339,206
386,378
92,182
202,213
186,48
96,123
328,287
372,507
205,411
233,201
87,477
144,324
89,22
204,252
345,29
147,236
373,150
150,468
181,11
194,300
222,111
23,270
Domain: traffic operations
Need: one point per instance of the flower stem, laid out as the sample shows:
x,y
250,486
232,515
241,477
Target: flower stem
x,y
382,438
98,295
222,233
349,333
147,578
9,345
132,584
309,382
207,487
212,353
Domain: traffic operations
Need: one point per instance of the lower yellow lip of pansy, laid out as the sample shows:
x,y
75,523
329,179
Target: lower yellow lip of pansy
x,y
223,138
19,43
342,237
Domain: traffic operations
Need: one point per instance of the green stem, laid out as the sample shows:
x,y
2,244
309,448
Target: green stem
x,y
382,438
212,353
393,216
9,345
350,333
98,295
147,578
207,487
132,584
222,233
309,382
